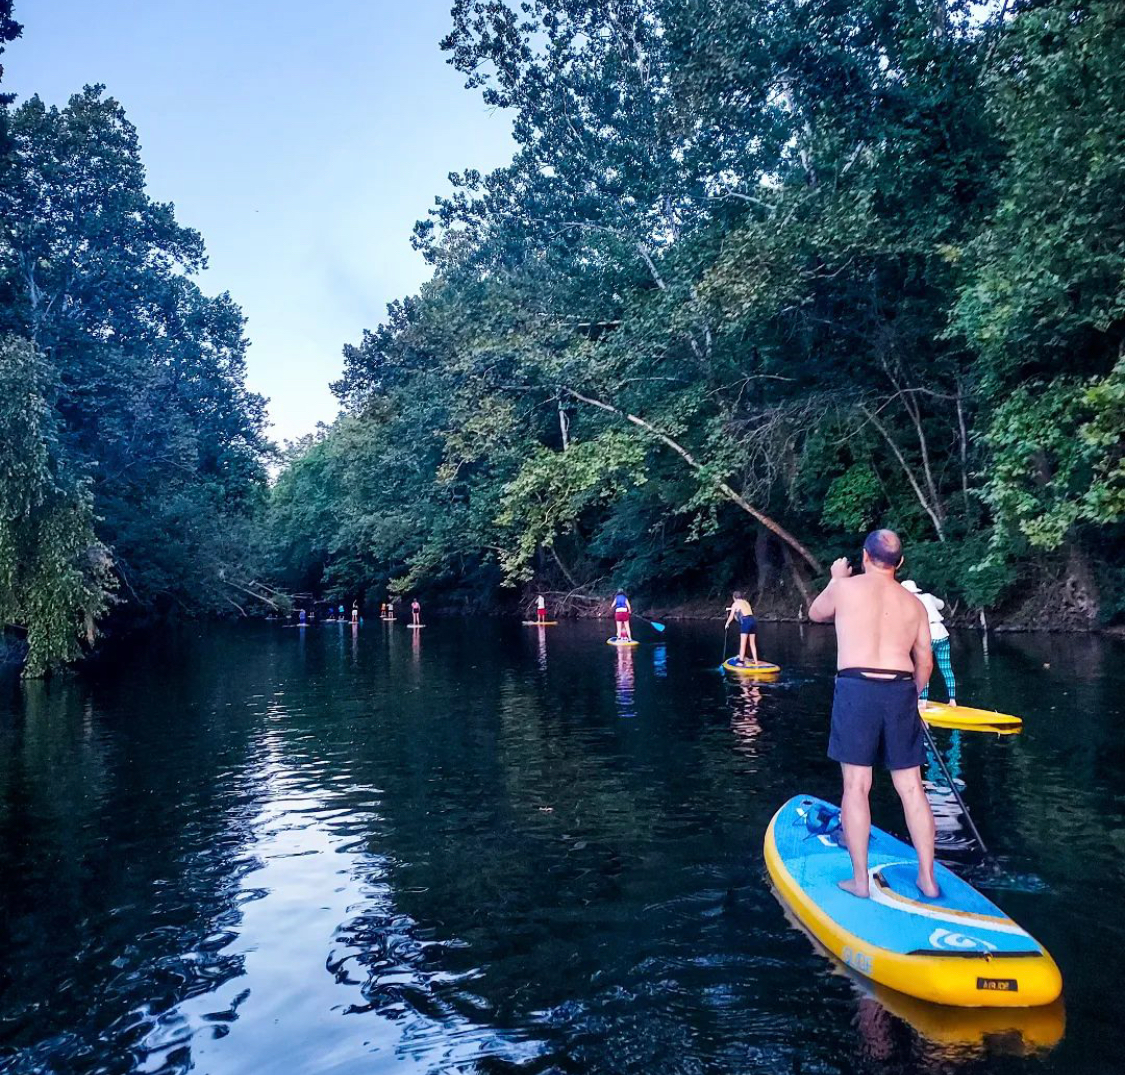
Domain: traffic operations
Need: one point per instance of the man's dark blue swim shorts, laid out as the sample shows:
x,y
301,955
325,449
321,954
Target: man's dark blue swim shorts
x,y
876,721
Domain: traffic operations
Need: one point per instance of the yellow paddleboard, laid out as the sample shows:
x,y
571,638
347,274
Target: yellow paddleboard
x,y
1023,1030
1011,1031
940,715
761,668
615,641
958,948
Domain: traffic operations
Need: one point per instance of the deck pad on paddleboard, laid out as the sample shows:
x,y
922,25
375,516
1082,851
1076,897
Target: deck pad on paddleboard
x,y
959,948
762,668
941,715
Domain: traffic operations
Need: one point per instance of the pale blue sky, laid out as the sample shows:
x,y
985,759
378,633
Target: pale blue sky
x,y
303,141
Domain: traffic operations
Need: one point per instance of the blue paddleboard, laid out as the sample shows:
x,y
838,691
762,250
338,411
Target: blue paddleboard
x,y
959,948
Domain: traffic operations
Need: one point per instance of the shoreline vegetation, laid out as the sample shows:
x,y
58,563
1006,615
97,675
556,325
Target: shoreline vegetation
x,y
758,278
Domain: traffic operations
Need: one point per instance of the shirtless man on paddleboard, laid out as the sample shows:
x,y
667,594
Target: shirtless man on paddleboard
x,y
884,660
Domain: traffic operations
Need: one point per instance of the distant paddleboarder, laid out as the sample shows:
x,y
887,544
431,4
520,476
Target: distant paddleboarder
x,y
416,612
743,614
541,609
622,610
939,637
884,660
355,611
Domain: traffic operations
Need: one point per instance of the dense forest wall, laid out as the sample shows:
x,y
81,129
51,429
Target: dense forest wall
x,y
132,458
760,277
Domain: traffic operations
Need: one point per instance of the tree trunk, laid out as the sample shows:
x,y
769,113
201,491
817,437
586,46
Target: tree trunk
x,y
762,562
934,516
799,580
964,447
718,483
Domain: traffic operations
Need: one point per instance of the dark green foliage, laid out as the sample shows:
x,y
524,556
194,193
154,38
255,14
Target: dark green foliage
x,y
55,576
9,31
759,277
138,375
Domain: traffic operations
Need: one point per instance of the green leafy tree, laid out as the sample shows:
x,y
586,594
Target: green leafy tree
x,y
55,577
150,372
759,275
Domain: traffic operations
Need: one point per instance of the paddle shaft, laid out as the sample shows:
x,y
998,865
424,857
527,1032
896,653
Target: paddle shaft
x,y
953,787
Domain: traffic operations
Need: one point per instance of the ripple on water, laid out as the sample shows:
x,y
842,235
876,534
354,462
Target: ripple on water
x,y
454,855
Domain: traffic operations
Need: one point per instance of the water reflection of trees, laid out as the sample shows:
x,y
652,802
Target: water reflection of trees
x,y
543,880
122,807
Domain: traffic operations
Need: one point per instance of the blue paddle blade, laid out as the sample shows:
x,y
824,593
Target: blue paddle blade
x,y
658,626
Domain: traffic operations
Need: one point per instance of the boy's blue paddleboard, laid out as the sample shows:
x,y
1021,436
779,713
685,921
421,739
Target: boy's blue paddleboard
x,y
959,948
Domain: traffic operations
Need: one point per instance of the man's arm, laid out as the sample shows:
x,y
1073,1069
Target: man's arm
x,y
922,653
823,609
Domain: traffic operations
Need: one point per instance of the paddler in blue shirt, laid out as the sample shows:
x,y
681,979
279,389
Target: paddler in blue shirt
x,y
884,660
622,610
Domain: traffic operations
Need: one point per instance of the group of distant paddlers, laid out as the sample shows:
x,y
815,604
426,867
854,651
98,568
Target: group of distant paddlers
x,y
335,613
889,635
388,610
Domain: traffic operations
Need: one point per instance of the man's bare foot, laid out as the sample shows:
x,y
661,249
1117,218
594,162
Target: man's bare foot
x,y
928,888
854,888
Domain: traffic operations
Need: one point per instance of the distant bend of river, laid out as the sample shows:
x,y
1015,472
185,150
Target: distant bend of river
x,y
494,849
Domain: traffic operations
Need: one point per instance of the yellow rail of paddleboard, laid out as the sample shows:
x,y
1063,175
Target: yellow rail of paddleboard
x,y
762,668
939,979
965,718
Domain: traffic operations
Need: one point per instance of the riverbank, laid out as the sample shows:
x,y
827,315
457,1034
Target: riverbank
x,y
1044,610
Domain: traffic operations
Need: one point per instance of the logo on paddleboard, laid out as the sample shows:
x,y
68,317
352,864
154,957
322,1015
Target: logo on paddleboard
x,y
999,985
959,942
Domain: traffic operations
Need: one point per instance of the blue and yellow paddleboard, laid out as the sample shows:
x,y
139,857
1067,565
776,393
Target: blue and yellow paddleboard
x,y
761,668
958,949
616,640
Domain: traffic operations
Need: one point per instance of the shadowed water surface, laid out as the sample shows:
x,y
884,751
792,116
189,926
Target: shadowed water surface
x,y
487,848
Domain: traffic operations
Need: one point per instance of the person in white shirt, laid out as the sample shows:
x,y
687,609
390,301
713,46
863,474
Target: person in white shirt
x,y
541,608
939,637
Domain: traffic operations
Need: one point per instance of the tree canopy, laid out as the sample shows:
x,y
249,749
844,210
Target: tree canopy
x,y
758,277
131,422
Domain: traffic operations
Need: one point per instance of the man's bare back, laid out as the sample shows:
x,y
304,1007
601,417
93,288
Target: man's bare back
x,y
878,623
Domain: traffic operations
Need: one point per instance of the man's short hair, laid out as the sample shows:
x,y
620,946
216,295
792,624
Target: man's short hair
x,y
737,595
884,548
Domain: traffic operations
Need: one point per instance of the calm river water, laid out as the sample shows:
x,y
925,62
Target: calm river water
x,y
493,849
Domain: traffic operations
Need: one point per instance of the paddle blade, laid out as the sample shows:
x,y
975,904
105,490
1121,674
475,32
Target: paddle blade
x,y
657,626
